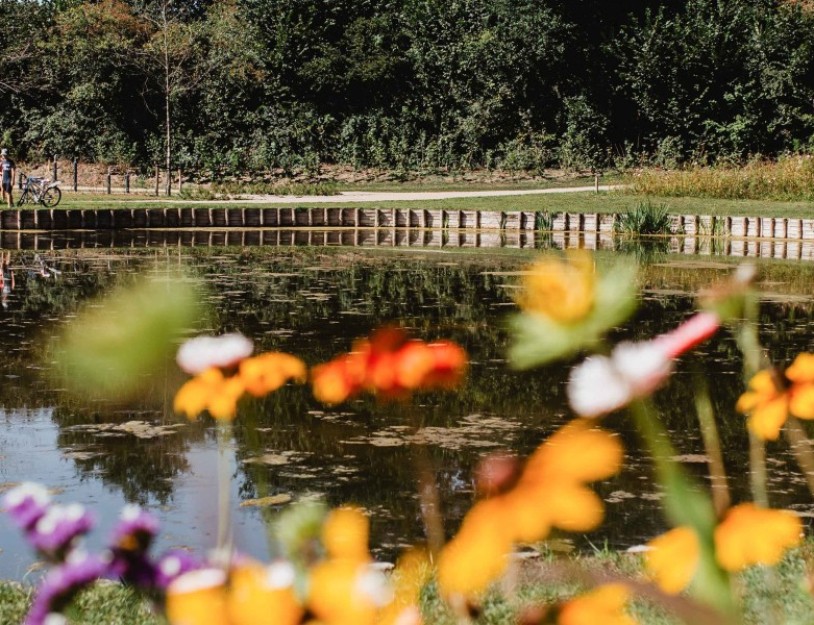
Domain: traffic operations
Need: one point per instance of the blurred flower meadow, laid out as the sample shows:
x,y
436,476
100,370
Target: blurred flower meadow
x,y
324,572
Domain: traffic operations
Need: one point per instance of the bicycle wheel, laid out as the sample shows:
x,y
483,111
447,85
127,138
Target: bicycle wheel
x,y
25,198
51,197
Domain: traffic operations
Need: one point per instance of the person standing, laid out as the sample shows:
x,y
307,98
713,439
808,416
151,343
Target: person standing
x,y
8,169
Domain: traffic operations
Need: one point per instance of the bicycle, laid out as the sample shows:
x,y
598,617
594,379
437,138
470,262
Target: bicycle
x,y
40,191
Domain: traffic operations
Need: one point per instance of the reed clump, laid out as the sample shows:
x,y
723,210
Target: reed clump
x,y
787,179
646,218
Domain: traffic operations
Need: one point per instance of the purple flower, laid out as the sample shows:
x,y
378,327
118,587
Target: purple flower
x,y
26,504
172,565
135,531
55,532
61,585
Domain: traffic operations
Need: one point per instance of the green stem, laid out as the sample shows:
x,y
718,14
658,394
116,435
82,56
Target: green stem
x,y
712,444
223,549
686,504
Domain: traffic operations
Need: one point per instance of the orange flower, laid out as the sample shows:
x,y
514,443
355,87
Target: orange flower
x,y
605,604
478,554
198,598
557,472
252,595
346,592
390,365
550,492
673,559
748,535
259,595
215,391
211,391
345,534
771,397
266,373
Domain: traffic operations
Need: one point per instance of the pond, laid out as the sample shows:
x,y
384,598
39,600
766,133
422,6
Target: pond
x,y
313,302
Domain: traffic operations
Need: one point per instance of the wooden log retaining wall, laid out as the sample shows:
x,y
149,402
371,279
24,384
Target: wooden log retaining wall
x,y
330,217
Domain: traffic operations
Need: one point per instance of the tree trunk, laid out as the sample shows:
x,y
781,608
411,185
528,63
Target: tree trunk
x,y
167,93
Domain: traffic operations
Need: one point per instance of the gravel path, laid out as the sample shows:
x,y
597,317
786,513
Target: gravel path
x,y
374,196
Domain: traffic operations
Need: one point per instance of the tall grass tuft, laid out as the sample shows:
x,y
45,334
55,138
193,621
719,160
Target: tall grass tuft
x,y
787,179
645,218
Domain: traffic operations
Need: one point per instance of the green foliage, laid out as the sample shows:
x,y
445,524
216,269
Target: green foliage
x,y
114,345
408,85
645,218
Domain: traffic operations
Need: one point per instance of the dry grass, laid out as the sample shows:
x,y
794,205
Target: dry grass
x,y
788,178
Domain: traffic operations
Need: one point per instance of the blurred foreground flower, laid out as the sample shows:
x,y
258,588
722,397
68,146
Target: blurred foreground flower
x,y
604,604
603,384
550,492
390,365
748,535
61,585
566,306
113,346
772,396
250,594
217,387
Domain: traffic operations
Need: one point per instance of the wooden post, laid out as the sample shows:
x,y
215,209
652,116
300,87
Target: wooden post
x,y
109,180
180,180
127,181
56,170
75,174
156,179
20,181
596,183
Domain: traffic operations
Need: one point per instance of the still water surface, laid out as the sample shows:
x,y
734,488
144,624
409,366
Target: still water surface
x,y
313,303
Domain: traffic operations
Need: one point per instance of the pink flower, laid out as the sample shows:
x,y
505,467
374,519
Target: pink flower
x,y
603,384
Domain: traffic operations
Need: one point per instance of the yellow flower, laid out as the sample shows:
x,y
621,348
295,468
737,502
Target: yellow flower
x,y
673,559
211,391
345,534
750,535
259,595
770,397
198,598
561,290
605,605
266,373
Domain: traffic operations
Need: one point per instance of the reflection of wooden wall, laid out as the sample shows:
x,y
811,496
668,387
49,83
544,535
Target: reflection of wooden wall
x,y
401,237
334,217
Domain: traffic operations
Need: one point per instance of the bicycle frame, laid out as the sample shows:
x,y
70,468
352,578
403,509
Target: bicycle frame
x,y
40,191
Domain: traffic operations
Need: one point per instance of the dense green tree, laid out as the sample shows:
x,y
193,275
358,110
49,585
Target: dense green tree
x,y
406,84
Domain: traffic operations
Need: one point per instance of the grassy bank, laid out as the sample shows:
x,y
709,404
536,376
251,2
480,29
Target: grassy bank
x,y
790,178
782,593
604,202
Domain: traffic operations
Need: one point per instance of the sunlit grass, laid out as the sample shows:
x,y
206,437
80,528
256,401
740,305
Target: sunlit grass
x,y
783,595
789,178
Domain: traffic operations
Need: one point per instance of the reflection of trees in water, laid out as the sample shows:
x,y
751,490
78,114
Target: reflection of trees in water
x,y
143,468
314,302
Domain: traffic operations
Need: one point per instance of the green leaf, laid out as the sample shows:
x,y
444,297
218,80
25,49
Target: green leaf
x,y
537,340
114,344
